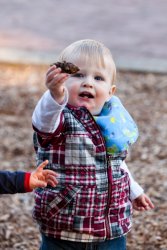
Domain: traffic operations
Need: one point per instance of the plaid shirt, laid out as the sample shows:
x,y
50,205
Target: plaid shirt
x,y
91,201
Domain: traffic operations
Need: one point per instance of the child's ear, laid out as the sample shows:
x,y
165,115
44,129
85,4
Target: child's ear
x,y
112,90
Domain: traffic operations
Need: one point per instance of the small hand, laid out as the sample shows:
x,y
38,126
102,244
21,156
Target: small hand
x,y
142,203
42,177
55,80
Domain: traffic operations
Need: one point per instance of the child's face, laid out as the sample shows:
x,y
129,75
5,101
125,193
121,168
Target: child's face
x,y
90,87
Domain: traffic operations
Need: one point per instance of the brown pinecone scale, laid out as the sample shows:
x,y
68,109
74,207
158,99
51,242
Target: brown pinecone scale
x,y
66,67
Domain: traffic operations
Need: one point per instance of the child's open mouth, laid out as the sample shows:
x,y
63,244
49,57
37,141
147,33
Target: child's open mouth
x,y
86,95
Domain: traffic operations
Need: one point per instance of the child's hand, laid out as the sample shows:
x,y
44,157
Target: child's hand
x,y
41,177
142,203
55,83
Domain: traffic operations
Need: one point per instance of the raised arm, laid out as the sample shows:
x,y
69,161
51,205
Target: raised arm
x,y
46,115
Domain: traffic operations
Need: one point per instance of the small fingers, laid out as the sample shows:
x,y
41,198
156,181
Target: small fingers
x,y
138,208
55,74
51,74
40,184
48,172
42,165
52,178
51,69
57,79
149,203
52,183
141,207
149,206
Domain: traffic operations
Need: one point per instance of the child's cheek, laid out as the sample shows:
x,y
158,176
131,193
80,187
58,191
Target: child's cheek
x,y
72,97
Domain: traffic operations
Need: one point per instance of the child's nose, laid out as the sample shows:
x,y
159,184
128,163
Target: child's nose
x,y
88,83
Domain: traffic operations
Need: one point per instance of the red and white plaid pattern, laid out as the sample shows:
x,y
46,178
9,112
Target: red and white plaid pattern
x,y
91,201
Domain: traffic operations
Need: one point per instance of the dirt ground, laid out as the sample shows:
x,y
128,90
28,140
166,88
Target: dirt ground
x,y
145,97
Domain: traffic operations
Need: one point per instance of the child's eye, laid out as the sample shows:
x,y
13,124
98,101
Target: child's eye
x,y
78,75
99,78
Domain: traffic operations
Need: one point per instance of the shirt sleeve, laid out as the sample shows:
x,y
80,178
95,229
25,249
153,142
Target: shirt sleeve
x,y
46,116
135,189
14,182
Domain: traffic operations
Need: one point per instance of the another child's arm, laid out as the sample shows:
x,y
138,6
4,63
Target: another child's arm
x,y
13,182
22,182
41,177
140,200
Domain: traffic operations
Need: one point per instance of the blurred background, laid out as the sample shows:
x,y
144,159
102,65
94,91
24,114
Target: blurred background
x,y
134,30
32,34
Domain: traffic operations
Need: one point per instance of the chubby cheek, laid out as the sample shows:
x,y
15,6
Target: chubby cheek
x,y
102,98
99,103
73,96
72,99
98,107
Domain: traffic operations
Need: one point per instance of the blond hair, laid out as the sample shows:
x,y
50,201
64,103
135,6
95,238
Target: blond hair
x,y
92,52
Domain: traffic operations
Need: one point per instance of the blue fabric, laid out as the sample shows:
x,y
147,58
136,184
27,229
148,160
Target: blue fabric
x,y
49,243
117,126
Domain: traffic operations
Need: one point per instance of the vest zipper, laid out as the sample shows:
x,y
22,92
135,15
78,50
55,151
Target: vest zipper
x,y
108,231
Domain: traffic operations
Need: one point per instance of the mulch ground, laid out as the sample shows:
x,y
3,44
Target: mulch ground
x,y
144,95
